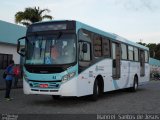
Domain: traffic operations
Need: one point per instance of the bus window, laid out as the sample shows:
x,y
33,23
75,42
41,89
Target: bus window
x,y
124,51
142,63
84,35
84,56
84,48
106,47
116,55
130,52
146,57
136,54
97,46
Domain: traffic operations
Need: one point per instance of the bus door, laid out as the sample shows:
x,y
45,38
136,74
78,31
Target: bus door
x,y
116,52
142,63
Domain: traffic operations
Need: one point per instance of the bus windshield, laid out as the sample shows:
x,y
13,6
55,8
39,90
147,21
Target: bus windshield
x,y
51,49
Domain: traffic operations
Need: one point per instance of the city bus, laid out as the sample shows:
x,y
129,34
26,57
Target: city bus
x,y
70,58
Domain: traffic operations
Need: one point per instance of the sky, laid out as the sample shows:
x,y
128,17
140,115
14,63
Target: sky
x,y
136,20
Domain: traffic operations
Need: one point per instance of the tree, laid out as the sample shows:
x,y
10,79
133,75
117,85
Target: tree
x,y
152,49
157,53
31,15
144,44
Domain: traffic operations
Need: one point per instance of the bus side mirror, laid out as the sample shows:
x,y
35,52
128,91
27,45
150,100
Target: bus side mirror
x,y
84,48
20,49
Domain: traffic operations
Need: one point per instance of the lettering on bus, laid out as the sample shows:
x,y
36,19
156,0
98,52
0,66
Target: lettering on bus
x,y
90,73
99,68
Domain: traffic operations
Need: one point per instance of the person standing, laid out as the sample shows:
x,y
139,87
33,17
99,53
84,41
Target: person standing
x,y
16,72
8,79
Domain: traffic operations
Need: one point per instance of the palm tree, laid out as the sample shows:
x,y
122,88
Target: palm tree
x,y
31,15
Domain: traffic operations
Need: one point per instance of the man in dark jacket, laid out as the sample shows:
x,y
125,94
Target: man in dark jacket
x,y
8,79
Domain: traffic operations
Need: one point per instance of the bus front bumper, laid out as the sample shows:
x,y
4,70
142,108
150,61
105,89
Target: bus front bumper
x,y
68,88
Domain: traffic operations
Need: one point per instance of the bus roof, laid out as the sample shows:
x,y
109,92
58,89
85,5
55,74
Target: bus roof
x,y
114,37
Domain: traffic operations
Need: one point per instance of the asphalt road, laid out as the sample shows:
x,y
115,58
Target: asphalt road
x,y
145,100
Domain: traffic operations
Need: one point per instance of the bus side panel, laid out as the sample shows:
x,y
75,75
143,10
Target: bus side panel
x,y
146,78
134,70
87,78
124,80
128,70
69,88
108,80
85,82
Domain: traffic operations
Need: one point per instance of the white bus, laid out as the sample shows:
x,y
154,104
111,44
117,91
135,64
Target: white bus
x,y
87,61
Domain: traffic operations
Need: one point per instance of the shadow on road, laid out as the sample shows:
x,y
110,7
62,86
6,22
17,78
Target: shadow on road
x,y
78,101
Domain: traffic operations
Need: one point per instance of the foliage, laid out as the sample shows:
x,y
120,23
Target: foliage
x,y
154,49
144,44
31,15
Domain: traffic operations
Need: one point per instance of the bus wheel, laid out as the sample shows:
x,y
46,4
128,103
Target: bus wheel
x,y
96,91
55,97
135,85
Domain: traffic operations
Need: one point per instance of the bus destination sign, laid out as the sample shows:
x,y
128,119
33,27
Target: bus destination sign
x,y
48,27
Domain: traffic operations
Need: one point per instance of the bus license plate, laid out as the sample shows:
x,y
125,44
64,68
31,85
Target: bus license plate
x,y
43,85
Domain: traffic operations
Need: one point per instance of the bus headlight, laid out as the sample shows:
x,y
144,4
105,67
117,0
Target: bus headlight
x,y
68,76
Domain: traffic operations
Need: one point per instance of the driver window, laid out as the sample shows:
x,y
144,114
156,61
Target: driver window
x,y
84,48
84,56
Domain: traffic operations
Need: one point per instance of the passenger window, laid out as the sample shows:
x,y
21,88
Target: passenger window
x,y
146,56
84,51
136,54
124,51
97,43
106,47
130,52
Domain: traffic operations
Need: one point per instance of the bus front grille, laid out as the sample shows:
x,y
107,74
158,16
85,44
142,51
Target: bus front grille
x,y
50,84
44,90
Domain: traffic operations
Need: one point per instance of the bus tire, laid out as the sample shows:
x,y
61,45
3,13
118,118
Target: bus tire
x,y
135,84
96,91
55,97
